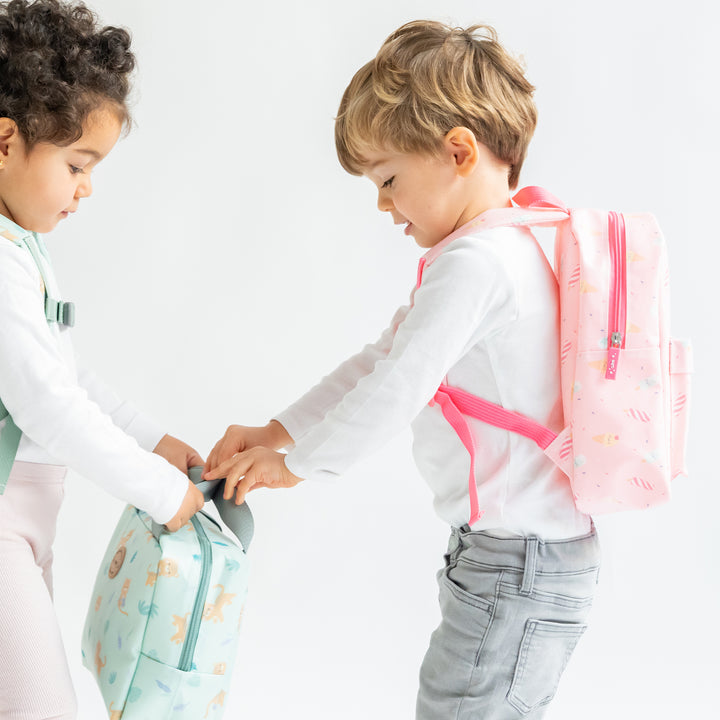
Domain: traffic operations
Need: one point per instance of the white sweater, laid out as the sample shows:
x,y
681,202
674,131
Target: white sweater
x,y
69,417
486,319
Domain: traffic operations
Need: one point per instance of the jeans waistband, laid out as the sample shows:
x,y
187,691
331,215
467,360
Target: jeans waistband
x,y
530,555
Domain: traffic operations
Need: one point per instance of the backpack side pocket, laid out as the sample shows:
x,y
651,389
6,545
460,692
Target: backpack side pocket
x,y
681,368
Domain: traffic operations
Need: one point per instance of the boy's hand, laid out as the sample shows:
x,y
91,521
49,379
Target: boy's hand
x,y
238,438
178,453
192,502
252,469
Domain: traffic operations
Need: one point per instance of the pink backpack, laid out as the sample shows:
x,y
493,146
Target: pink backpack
x,y
625,382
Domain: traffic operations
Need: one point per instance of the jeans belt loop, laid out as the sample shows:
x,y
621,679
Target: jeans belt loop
x,y
528,580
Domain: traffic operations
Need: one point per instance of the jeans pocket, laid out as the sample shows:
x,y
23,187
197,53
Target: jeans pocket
x,y
544,652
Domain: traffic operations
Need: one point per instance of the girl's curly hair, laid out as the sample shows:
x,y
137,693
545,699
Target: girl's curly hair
x,y
57,66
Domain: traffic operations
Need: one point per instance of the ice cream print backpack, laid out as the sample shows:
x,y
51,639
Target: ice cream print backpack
x,y
625,382
162,629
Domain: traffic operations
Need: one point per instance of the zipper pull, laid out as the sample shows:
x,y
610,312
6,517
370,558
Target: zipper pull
x,y
613,355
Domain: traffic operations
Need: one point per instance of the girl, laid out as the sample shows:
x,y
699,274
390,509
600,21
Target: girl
x,y
63,91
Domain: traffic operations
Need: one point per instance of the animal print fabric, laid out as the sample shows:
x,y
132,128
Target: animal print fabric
x,y
141,617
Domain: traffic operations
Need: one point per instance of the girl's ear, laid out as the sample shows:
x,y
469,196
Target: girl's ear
x,y
462,145
8,134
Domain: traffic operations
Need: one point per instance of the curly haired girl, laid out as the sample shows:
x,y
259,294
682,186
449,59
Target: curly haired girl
x,y
64,82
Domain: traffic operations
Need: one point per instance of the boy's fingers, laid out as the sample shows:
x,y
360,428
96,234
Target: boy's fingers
x,y
211,461
239,465
226,451
221,469
244,487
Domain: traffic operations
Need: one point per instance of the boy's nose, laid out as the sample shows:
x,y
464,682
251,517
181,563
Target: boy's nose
x,y
384,203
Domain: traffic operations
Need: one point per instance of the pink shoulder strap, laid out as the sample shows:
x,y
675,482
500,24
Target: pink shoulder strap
x,y
455,403
536,197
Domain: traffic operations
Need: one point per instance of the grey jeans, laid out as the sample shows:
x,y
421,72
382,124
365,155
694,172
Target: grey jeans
x,y
513,610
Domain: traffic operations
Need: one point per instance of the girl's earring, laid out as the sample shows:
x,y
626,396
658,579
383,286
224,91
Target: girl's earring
x,y
2,163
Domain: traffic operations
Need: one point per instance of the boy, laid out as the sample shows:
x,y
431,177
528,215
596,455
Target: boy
x,y
440,122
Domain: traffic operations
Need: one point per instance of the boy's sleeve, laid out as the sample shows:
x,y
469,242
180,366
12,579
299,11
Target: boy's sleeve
x,y
49,406
465,296
312,407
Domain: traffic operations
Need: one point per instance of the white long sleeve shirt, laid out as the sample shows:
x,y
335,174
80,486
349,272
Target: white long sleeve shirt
x,y
484,319
68,417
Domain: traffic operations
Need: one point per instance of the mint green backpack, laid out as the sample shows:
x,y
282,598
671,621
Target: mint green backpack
x,y
162,629
55,311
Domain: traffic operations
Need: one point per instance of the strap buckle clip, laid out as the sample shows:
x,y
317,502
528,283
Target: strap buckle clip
x,y
60,312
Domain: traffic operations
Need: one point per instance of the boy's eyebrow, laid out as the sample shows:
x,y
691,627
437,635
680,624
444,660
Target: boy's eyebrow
x,y
369,167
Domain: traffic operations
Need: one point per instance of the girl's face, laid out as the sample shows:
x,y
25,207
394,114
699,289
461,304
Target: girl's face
x,y
41,187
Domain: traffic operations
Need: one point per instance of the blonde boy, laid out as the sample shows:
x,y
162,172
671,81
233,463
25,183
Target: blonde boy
x,y
440,122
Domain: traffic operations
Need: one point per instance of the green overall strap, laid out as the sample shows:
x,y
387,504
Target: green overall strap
x,y
55,310
9,441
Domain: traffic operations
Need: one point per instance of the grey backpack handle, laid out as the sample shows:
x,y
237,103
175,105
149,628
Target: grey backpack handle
x,y
238,518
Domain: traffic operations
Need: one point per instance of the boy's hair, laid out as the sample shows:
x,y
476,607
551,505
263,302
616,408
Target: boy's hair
x,y
428,78
57,66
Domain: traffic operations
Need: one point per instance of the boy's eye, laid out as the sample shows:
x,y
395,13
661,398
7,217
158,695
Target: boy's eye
x,y
75,170
388,183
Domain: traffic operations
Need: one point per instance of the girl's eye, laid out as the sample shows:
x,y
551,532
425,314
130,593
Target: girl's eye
x,y
75,170
388,183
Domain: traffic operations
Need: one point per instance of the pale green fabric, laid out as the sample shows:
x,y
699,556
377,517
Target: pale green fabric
x,y
162,633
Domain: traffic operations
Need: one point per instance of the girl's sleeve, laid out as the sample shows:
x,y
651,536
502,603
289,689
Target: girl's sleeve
x,y
465,295
312,407
49,406
124,414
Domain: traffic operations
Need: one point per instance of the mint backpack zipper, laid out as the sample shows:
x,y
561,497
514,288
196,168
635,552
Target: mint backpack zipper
x,y
617,306
193,628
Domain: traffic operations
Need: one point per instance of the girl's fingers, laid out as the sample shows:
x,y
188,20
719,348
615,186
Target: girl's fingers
x,y
194,459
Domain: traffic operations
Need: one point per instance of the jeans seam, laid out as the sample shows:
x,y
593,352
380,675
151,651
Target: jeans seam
x,y
476,660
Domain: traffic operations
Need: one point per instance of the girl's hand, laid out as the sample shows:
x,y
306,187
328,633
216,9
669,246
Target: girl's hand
x,y
192,502
178,453
238,438
254,468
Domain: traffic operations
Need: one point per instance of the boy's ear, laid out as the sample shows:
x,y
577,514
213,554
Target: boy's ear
x,y
462,145
8,134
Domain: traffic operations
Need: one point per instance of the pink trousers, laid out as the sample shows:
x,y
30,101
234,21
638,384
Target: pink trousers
x,y
34,677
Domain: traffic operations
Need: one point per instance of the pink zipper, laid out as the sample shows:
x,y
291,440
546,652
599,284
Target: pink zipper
x,y
617,313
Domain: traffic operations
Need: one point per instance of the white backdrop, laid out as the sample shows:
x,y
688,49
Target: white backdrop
x,y
226,262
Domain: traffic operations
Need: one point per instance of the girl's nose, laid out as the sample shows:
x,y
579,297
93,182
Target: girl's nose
x,y
84,188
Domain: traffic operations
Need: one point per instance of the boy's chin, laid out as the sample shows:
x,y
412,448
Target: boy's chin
x,y
426,243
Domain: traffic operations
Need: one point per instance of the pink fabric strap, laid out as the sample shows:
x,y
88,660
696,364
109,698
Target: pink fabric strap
x,y
533,196
421,267
461,427
498,416
456,404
